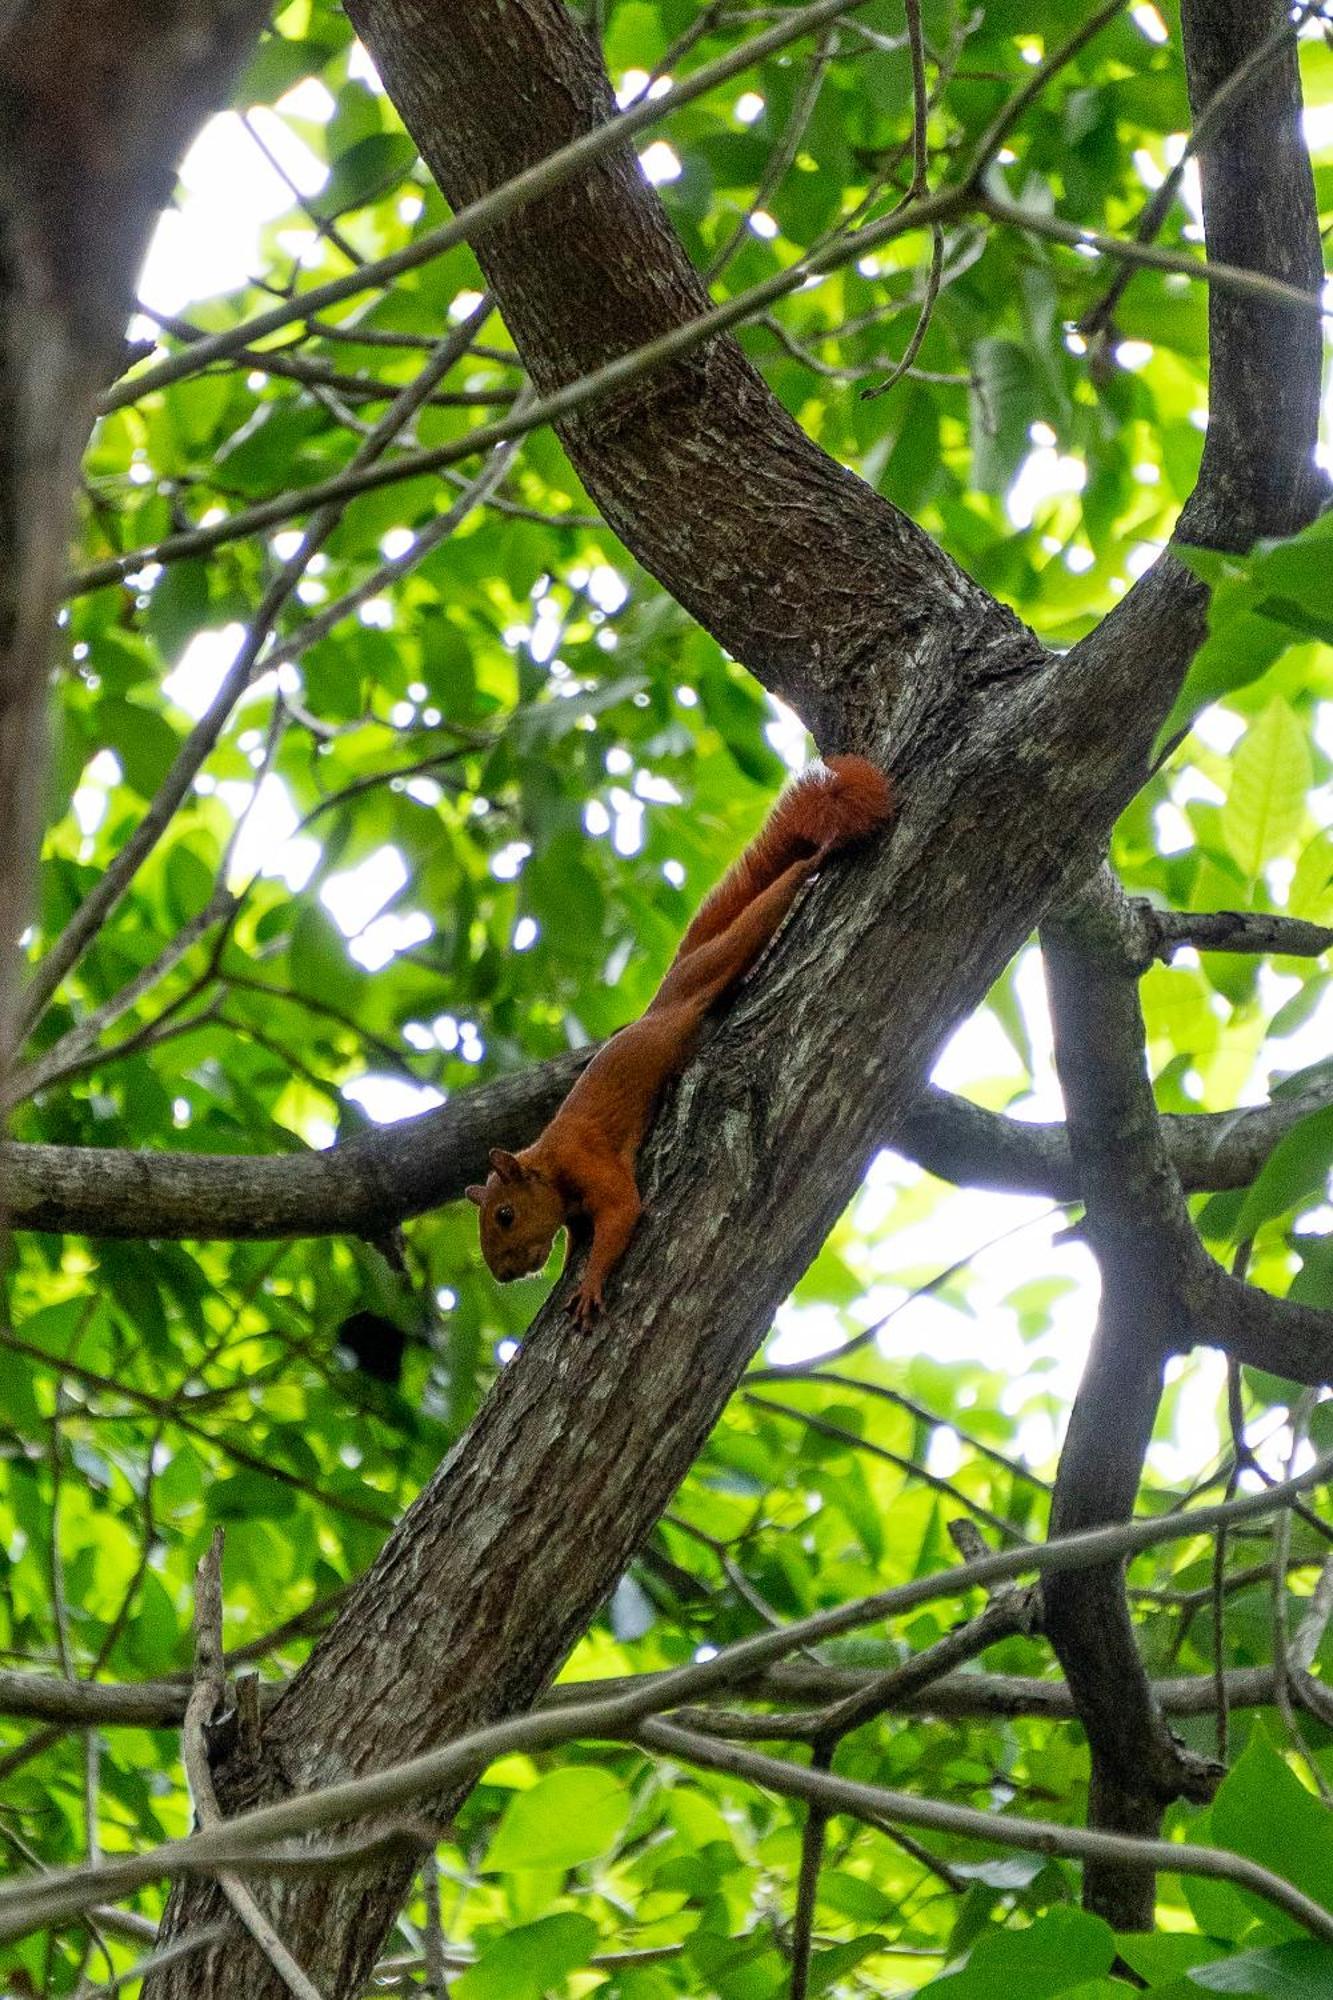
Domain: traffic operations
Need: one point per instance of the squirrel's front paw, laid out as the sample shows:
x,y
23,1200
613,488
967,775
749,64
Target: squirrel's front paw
x,y
584,1305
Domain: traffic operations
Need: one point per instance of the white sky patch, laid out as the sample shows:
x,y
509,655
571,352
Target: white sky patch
x,y
546,630
508,861
631,87
209,242
525,934
384,937
607,588
627,834
660,163
1310,1043
1192,784
387,1099
977,1047
362,69
657,791
1172,829
1044,475
358,894
786,733
309,99
762,223
1149,22
748,106
202,668
90,797
1147,168
266,845
1044,1099
1318,123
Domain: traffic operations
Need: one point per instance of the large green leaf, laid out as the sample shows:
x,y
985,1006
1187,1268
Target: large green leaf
x,y
1295,1170
1270,776
527,1962
567,1817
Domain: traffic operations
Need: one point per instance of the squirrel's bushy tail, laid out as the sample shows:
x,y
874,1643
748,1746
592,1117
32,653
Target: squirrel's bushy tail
x,y
829,806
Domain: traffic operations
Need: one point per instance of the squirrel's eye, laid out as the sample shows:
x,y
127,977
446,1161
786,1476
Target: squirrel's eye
x,y
504,1216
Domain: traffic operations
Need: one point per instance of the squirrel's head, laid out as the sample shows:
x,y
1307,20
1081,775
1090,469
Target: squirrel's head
x,y
520,1214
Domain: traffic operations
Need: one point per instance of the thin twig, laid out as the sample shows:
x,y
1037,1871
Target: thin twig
x,y
206,1699
29,1904
97,906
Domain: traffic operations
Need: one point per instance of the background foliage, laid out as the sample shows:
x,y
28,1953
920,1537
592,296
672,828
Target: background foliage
x,y
465,829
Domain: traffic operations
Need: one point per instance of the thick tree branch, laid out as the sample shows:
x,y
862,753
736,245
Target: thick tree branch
x,y
161,1704
369,1184
1258,475
788,559
1140,1229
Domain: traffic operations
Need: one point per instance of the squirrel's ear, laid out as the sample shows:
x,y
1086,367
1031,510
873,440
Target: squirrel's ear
x,y
476,1195
505,1164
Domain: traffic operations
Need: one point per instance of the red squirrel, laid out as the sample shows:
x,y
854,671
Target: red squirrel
x,y
580,1173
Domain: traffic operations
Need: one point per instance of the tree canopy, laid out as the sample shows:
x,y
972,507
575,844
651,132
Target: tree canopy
x,y
396,734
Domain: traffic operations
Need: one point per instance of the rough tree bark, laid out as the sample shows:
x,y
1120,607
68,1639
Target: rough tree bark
x,y
1012,767
97,104
369,1184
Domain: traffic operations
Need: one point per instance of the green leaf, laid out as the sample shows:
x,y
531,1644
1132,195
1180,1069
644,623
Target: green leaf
x,y
1296,1168
525,1963
367,169
1003,409
827,1967
1300,1970
1265,1812
1059,1951
570,1816
1271,773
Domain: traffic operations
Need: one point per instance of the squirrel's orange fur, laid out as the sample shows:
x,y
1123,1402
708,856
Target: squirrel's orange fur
x,y
580,1172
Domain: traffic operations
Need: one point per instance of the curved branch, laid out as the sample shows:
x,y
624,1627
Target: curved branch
x,y
796,566
1144,1241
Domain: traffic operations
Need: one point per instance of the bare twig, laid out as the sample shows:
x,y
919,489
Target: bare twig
x,y
205,1700
944,206
97,906
30,1904
1033,1836
492,207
